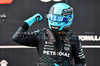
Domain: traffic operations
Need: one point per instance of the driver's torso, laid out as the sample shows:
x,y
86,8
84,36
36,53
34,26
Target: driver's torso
x,y
58,53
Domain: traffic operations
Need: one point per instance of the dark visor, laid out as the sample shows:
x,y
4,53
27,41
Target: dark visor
x,y
57,18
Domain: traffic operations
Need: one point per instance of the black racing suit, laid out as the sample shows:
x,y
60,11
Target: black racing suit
x,y
53,50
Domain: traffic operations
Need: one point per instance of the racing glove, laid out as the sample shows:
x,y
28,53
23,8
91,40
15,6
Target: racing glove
x,y
35,18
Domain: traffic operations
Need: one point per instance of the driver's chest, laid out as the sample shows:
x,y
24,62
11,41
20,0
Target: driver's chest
x,y
57,48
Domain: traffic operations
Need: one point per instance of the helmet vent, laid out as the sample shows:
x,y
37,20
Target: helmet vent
x,y
67,10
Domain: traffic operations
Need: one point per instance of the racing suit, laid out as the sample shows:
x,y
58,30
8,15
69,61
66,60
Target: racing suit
x,y
53,49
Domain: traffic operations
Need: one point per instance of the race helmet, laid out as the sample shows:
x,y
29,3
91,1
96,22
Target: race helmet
x,y
60,16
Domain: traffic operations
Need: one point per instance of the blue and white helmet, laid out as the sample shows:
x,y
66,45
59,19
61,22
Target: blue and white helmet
x,y
60,16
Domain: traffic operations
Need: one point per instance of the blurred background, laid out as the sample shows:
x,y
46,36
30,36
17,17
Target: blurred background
x,y
85,25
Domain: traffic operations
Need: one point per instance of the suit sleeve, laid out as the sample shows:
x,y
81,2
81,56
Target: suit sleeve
x,y
78,53
22,37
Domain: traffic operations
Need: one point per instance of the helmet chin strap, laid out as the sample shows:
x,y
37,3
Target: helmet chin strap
x,y
59,32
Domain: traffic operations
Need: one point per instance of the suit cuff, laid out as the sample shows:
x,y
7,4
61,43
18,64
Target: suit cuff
x,y
25,26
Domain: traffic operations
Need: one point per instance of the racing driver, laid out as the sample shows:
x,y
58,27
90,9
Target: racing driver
x,y
56,45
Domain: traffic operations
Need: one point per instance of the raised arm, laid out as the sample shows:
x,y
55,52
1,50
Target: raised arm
x,y
22,37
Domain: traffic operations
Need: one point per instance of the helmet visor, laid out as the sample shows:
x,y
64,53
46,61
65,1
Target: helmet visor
x,y
58,18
